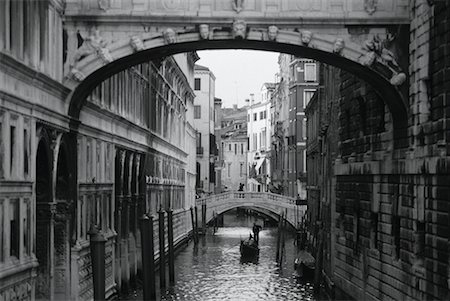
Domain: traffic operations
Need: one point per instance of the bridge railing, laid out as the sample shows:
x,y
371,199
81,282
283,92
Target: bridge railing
x,y
246,196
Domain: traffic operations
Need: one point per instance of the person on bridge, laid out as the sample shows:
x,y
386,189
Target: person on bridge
x,y
256,229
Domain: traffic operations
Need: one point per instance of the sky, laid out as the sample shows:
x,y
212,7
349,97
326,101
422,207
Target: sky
x,y
239,73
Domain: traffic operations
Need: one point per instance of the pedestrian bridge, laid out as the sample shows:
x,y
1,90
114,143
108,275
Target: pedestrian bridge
x,y
264,202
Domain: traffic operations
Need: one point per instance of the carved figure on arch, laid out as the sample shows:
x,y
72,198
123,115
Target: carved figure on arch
x,y
170,36
370,6
376,51
338,46
136,43
91,44
272,33
205,33
239,29
306,37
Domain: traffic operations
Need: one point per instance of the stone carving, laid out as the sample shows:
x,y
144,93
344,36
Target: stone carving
x,y
272,33
377,52
103,4
170,36
238,5
205,33
136,43
338,46
239,29
306,37
90,45
104,54
77,75
370,6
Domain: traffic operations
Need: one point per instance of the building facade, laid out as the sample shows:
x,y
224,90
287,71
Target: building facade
x,y
298,82
233,148
204,116
258,133
127,155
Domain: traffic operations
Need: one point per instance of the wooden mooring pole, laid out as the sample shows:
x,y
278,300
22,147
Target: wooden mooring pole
x,y
171,247
162,247
148,260
193,225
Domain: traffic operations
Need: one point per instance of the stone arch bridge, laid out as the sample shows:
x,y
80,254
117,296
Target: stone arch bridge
x,y
366,38
264,202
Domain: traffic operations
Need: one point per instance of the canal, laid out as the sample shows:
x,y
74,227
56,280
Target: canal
x,y
213,269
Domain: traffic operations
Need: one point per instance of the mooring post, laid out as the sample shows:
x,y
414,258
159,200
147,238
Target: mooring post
x,y
97,245
193,225
196,221
204,217
162,247
151,258
277,257
283,228
171,246
148,265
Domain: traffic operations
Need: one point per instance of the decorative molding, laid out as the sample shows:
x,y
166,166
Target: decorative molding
x,y
370,6
238,5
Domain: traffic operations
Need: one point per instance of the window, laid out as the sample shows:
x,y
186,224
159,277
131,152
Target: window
x,y
261,115
241,168
307,95
229,147
197,84
255,117
12,147
235,148
263,138
310,72
197,112
25,152
265,114
242,148
229,170
14,230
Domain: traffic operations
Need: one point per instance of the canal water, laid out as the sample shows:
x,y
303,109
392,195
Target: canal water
x,y
213,269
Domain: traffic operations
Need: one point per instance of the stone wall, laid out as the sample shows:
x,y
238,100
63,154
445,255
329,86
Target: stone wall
x,y
392,225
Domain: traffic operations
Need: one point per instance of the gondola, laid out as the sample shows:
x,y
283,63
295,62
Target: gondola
x,y
249,248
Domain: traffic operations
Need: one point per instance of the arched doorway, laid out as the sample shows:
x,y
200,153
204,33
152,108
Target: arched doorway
x,y
44,217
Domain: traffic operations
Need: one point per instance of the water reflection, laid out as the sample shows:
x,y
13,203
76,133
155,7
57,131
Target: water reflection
x,y
213,270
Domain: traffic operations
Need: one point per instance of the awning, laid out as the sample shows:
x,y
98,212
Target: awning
x,y
259,163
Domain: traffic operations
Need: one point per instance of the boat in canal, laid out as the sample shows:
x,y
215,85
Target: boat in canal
x,y
304,265
249,248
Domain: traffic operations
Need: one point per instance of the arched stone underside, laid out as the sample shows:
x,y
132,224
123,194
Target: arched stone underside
x,y
265,212
372,62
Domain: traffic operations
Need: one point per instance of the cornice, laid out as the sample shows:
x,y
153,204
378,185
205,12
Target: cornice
x,y
19,70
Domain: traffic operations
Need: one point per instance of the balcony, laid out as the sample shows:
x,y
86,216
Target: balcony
x,y
200,150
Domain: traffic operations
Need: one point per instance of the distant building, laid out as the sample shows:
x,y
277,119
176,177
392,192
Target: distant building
x,y
299,79
258,133
218,165
204,88
233,148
